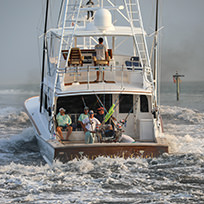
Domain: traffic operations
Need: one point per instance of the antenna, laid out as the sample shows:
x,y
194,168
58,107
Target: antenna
x,y
155,73
43,61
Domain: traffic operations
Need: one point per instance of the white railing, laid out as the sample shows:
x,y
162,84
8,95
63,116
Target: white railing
x,y
122,75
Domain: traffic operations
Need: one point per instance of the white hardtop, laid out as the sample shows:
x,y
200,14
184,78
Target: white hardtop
x,y
91,30
100,89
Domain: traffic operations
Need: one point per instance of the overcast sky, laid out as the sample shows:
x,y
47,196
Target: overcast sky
x,y
182,38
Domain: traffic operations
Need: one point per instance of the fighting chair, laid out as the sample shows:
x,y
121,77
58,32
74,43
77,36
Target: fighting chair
x,y
75,57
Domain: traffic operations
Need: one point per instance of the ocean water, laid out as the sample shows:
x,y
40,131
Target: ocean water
x,y
177,177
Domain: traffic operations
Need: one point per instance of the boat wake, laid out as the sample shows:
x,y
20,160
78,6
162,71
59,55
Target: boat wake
x,y
13,121
25,177
184,129
20,148
13,91
106,180
17,140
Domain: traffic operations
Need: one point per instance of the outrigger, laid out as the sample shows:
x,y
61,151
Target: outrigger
x,y
128,90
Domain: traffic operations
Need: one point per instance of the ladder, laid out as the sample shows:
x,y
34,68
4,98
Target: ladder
x,y
70,20
135,19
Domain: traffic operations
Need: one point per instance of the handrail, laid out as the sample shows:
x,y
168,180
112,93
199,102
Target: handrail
x,y
72,69
121,78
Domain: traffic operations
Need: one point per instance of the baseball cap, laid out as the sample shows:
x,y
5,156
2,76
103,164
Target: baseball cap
x,y
86,108
100,108
62,109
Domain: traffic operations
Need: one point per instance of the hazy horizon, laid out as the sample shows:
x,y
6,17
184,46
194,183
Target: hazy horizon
x,y
181,41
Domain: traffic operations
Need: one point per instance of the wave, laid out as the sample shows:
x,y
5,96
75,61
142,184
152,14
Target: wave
x,y
13,120
178,114
20,148
25,177
183,129
18,92
26,135
168,179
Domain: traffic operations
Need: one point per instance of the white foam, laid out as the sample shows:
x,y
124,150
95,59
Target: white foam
x,y
183,129
26,135
182,114
7,110
13,121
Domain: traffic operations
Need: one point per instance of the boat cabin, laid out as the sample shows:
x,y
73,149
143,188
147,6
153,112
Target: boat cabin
x,y
135,109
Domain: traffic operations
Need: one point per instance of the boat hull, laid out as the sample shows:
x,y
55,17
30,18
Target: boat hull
x,y
46,150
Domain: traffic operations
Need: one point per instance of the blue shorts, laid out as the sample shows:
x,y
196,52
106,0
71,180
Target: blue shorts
x,y
98,68
64,127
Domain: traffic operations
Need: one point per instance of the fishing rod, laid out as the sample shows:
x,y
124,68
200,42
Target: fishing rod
x,y
118,98
113,107
101,103
83,101
111,110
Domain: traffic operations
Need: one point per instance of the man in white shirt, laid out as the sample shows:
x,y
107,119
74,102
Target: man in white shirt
x,y
101,54
90,124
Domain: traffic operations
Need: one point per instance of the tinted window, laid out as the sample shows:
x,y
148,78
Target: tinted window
x,y
144,104
126,103
75,104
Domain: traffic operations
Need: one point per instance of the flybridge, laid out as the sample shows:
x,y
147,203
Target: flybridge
x,y
106,21
71,46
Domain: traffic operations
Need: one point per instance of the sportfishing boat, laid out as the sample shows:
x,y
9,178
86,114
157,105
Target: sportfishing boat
x,y
126,88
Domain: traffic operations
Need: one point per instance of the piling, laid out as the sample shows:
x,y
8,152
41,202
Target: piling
x,y
177,80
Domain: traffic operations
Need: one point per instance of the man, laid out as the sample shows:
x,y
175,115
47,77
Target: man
x,y
90,124
83,116
64,122
101,54
89,4
109,127
101,115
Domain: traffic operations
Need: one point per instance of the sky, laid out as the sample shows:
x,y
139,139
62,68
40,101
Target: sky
x,y
181,39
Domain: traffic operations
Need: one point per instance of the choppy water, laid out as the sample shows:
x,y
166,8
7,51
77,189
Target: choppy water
x,y
173,178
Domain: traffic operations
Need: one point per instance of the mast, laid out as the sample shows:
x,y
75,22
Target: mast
x,y
155,74
43,60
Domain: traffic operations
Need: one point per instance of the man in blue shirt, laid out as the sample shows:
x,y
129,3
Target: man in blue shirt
x,y
83,116
64,123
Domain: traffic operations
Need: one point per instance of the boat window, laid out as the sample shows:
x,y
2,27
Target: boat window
x,y
126,103
75,104
144,104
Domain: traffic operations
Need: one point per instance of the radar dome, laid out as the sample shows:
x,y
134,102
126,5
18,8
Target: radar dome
x,y
103,19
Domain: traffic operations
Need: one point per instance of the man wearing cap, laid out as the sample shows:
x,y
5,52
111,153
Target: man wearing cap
x,y
100,115
64,122
83,116
90,124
